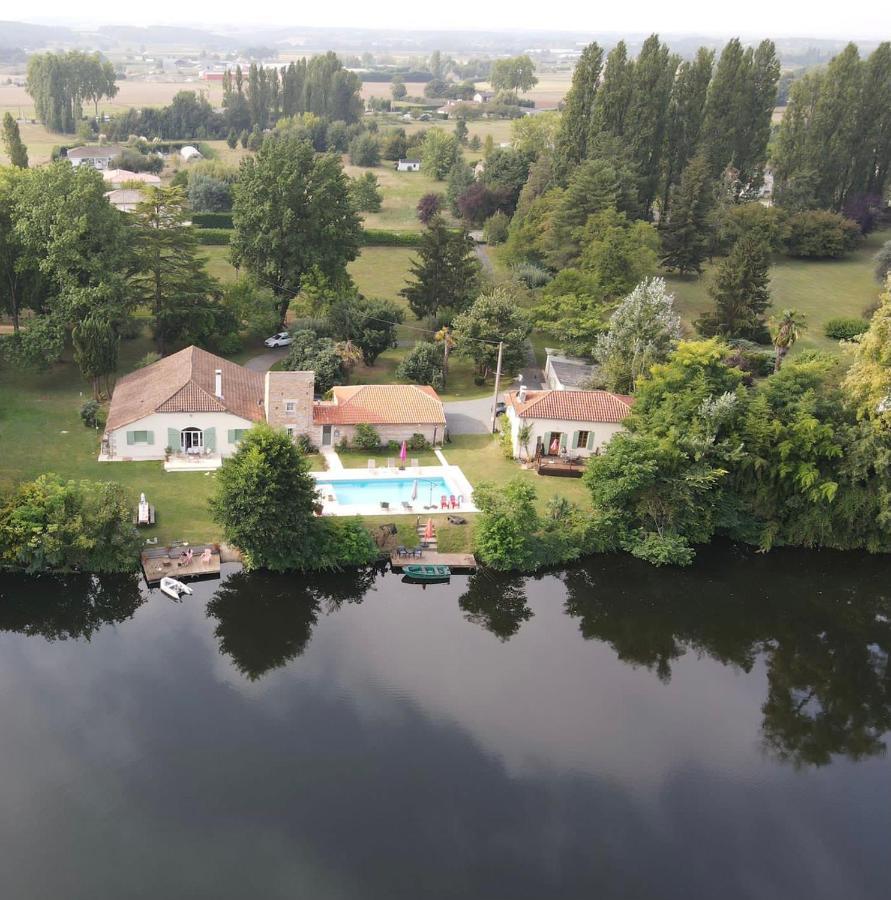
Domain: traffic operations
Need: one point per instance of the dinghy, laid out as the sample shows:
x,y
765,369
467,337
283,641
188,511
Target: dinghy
x,y
173,588
427,572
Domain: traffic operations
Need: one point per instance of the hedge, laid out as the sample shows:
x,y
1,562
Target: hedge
x,y
376,237
212,219
213,236
844,329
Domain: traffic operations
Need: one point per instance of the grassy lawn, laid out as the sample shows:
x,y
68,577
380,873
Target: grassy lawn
x,y
218,263
383,272
401,191
821,289
358,459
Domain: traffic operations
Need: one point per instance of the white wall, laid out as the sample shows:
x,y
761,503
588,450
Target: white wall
x,y
541,428
158,424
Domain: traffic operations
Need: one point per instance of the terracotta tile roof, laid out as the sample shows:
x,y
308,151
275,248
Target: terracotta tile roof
x,y
572,406
95,151
381,404
185,382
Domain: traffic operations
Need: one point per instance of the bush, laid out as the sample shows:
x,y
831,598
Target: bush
x,y
422,365
147,360
505,438
495,228
376,237
844,329
212,219
817,234
131,328
429,206
89,413
305,445
365,151
418,442
209,194
532,275
366,437
210,237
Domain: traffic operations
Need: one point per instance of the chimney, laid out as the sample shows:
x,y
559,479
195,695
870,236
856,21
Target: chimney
x,y
521,394
218,386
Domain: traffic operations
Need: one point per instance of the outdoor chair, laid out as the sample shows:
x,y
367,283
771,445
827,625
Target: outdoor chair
x,y
453,503
406,505
385,505
402,550
443,502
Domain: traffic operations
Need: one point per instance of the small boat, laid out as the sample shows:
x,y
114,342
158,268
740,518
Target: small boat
x,y
427,572
173,588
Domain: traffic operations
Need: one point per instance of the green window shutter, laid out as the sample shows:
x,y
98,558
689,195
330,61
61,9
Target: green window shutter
x,y
131,437
150,437
230,436
575,440
563,439
210,439
590,440
173,440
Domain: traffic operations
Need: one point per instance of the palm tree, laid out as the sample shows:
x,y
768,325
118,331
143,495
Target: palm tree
x,y
786,331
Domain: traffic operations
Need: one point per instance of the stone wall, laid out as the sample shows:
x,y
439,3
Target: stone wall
x,y
290,389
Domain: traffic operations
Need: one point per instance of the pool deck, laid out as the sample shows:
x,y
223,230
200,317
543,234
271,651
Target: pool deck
x,y
464,562
458,484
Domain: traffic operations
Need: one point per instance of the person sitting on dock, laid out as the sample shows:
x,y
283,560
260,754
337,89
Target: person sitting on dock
x,y
185,558
206,556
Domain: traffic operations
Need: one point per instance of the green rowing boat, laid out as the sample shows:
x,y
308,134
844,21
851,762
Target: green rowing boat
x,y
427,573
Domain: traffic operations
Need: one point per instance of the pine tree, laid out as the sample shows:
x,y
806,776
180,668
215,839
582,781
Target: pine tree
x,y
685,230
446,273
741,291
12,143
172,280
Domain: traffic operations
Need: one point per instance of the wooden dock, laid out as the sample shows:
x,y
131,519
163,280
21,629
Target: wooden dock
x,y
158,562
457,562
561,468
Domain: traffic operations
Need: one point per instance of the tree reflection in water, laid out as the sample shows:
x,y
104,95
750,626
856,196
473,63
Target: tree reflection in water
x,y
497,602
66,607
819,621
265,620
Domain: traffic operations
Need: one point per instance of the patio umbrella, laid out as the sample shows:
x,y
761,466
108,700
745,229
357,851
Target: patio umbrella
x,y
414,490
428,531
555,446
403,451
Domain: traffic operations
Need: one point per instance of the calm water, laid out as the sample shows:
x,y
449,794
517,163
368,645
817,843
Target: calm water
x,y
370,491
611,732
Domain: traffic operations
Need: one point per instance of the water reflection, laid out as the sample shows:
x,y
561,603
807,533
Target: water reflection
x,y
61,607
496,602
264,620
819,621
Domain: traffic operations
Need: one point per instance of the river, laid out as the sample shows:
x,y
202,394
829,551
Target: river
x,y
611,731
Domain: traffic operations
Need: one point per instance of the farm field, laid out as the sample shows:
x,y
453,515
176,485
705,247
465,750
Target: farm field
x,y
821,289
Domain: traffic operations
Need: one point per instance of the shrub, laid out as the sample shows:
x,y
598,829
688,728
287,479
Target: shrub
x,y
366,437
148,359
817,234
532,275
212,219
418,442
376,237
304,445
209,194
505,438
422,365
844,329
213,236
495,228
428,206
89,413
131,328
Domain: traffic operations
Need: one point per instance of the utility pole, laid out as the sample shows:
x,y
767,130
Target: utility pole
x,y
497,381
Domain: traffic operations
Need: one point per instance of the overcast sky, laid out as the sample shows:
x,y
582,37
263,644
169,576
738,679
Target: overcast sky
x,y
774,18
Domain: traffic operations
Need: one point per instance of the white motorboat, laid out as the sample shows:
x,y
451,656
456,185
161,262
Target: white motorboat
x,y
173,588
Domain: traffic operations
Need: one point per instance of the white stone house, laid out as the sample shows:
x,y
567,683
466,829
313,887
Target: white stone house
x,y
99,157
566,373
408,165
565,423
195,407
124,199
483,97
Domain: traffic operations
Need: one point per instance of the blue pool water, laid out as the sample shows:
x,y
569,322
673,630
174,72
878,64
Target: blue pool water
x,y
372,491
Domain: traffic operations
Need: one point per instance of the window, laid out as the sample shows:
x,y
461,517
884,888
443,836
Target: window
x,y
290,430
140,437
236,435
290,405
583,439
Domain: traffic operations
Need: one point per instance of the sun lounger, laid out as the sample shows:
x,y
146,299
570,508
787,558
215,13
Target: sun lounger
x,y
406,505
372,466
385,505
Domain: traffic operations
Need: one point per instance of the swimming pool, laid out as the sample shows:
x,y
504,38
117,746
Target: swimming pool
x,y
395,491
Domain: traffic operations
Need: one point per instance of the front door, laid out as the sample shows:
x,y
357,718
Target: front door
x,y
326,435
554,441
192,440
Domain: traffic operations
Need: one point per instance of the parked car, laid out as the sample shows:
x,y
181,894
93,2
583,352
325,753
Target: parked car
x,y
282,339
500,408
